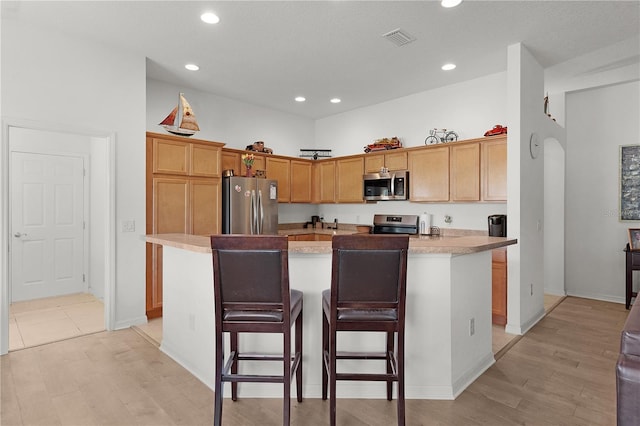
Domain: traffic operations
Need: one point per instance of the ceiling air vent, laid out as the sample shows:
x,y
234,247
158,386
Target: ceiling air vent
x,y
398,37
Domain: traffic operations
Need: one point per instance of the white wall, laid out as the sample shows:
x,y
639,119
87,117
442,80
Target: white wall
x,y
525,207
90,88
554,217
599,121
470,108
237,124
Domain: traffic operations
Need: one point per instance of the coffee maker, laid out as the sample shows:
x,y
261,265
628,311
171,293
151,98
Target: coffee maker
x,y
314,221
498,225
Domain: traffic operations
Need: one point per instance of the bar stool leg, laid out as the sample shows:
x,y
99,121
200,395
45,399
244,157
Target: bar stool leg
x,y
234,367
390,345
286,359
299,351
217,411
332,378
400,354
325,350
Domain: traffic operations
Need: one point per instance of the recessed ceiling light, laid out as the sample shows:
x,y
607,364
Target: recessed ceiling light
x,y
300,99
210,18
448,67
450,3
335,100
192,67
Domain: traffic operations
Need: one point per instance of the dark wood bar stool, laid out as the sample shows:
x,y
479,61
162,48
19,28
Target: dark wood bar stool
x,y
252,295
368,291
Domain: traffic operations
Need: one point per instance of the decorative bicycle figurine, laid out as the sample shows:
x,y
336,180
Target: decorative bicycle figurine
x,y
440,136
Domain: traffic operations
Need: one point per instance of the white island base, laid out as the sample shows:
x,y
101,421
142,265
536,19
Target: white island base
x,y
448,328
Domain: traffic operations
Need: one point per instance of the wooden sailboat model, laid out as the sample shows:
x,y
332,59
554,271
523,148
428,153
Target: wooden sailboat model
x,y
181,121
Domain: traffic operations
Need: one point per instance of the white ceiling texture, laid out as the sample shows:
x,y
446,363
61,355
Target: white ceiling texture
x,y
268,52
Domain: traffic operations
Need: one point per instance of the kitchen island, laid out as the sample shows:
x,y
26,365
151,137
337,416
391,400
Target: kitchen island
x,y
448,326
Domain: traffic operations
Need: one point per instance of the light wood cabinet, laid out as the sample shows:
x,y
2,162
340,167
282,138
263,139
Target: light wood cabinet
x,y
429,174
280,169
494,170
391,160
349,173
465,172
205,161
310,237
183,196
323,237
170,157
205,205
230,161
259,163
499,286
301,181
187,159
294,176
324,185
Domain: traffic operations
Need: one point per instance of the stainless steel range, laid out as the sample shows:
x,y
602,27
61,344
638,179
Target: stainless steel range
x,y
395,224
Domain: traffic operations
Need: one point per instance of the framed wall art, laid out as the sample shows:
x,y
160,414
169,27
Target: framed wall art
x,y
630,183
634,239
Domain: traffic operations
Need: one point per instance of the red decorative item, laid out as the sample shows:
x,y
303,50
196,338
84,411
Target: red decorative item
x,y
384,144
497,130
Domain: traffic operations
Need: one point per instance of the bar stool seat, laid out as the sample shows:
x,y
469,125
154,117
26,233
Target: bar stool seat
x,y
368,292
252,295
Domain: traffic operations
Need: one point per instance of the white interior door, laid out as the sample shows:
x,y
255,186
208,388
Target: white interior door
x,y
47,225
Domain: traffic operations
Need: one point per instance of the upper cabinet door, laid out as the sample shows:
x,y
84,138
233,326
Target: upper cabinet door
x,y
373,162
465,172
391,160
325,184
300,181
396,160
429,174
494,170
280,170
205,160
349,173
230,161
171,157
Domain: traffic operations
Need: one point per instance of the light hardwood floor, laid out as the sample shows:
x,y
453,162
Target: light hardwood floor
x,y
40,321
562,372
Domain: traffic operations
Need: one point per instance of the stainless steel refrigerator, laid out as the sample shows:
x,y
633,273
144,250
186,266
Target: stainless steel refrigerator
x,y
249,205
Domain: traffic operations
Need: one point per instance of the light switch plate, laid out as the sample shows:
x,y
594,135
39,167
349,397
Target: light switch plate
x,y
128,226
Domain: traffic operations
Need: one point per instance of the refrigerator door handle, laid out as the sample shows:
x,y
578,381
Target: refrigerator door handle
x,y
260,214
253,214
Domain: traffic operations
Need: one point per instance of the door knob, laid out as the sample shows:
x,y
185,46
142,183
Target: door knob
x,y
18,235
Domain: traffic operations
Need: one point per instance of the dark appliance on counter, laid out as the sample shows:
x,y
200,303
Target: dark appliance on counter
x,y
249,205
386,186
498,225
395,224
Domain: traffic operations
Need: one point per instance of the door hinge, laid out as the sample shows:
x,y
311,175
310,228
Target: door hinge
x,y
84,278
84,225
84,172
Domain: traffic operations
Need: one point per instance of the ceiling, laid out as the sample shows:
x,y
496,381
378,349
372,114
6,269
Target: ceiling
x,y
268,52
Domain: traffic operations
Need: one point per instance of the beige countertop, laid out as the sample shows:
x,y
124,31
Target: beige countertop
x,y
462,244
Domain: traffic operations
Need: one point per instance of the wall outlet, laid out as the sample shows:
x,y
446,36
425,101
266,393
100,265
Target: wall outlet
x,y
128,226
472,326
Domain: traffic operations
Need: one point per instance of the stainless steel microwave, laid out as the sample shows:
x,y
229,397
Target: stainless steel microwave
x,y
392,185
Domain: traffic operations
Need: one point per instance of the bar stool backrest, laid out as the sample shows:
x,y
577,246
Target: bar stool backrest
x,y
369,271
251,273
